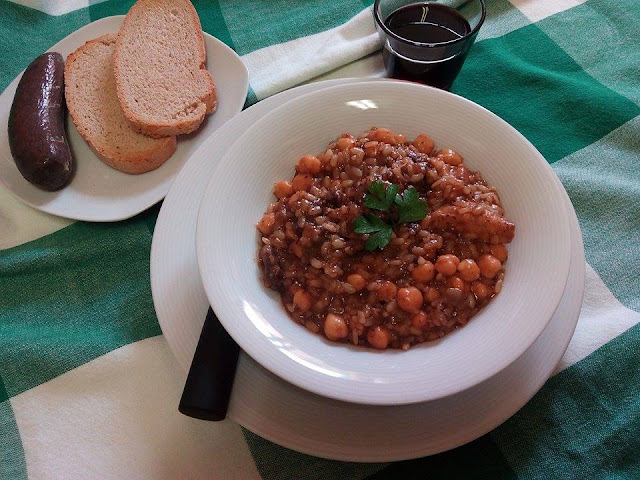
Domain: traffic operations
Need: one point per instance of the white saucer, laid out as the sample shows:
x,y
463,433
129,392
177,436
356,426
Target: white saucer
x,y
100,193
297,419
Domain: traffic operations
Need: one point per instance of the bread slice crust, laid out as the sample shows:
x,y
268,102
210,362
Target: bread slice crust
x,y
159,65
91,98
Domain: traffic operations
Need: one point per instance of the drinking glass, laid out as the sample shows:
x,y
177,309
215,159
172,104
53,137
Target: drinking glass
x,y
421,59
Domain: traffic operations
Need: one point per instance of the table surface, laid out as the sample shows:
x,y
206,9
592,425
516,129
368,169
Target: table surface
x,y
88,386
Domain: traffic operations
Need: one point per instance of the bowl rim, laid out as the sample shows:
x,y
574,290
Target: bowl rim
x,y
291,373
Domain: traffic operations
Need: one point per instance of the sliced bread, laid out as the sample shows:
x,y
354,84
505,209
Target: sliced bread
x,y
159,65
90,91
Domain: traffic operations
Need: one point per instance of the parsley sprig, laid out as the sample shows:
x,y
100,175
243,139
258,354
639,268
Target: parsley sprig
x,y
408,208
371,224
379,197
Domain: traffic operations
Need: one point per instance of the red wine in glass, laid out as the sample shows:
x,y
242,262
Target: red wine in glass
x,y
436,42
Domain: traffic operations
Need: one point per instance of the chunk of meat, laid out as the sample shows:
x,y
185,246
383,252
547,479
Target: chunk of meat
x,y
272,271
485,224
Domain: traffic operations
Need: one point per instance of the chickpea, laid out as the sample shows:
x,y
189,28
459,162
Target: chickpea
x,y
385,290
335,328
447,264
302,300
457,282
266,223
309,164
468,270
357,281
379,337
480,290
499,251
345,143
423,273
384,135
432,294
370,148
450,156
283,189
409,299
489,265
301,182
424,143
419,320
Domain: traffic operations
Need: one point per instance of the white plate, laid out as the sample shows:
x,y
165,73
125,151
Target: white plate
x,y
226,244
100,193
278,411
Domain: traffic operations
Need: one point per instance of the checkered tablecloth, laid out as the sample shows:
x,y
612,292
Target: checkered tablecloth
x,y
88,386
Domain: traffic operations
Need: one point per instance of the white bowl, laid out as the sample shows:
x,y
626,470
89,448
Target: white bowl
x,y
241,188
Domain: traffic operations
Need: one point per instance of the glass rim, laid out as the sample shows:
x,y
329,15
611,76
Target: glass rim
x,y
474,30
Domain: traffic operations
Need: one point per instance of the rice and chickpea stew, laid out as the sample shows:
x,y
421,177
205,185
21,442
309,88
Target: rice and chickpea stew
x,y
384,242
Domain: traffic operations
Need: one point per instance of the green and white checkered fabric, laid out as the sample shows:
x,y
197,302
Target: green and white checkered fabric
x,y
88,387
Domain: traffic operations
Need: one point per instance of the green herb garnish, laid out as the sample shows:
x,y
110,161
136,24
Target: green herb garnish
x,y
371,224
380,198
408,208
